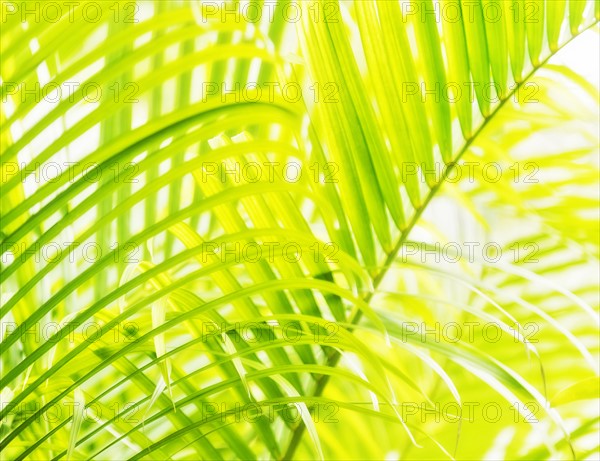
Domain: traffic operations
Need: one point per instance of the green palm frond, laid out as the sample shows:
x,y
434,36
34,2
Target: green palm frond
x,y
237,238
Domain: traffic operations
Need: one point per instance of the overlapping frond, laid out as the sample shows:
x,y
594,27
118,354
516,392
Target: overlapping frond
x,y
220,226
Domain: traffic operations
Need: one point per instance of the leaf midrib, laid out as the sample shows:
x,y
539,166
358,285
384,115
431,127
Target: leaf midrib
x,y
356,315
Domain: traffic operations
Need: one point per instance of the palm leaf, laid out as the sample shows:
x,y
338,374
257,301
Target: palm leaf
x,y
155,301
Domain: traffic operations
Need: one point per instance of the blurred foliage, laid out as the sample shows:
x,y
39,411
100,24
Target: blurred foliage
x,y
275,230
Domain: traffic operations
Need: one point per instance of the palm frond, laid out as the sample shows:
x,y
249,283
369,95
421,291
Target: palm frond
x,y
219,231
